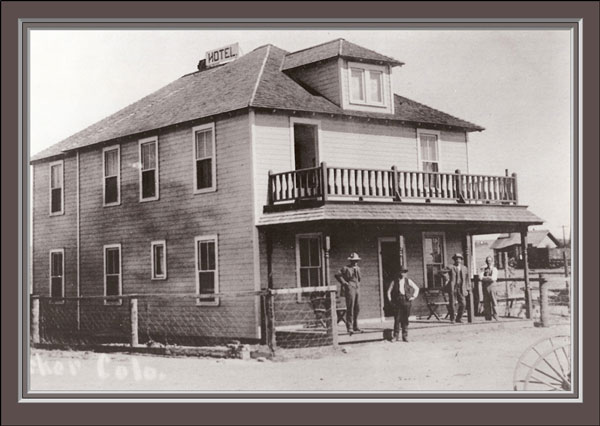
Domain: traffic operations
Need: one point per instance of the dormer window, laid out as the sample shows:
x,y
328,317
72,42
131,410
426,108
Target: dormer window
x,y
366,84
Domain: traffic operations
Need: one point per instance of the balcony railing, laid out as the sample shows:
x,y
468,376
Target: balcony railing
x,y
323,182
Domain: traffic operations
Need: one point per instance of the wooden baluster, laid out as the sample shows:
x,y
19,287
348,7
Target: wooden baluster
x,y
401,184
377,183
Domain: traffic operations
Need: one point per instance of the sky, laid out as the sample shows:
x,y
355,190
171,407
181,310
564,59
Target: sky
x,y
515,83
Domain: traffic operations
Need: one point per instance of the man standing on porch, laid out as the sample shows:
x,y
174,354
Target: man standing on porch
x,y
459,285
401,292
489,278
349,278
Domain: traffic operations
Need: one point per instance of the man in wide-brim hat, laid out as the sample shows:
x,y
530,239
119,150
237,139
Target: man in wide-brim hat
x,y
459,286
349,277
401,292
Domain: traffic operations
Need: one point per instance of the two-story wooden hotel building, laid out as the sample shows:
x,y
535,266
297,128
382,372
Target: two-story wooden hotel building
x,y
265,171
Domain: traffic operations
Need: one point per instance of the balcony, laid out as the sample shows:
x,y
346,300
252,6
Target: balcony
x,y
323,183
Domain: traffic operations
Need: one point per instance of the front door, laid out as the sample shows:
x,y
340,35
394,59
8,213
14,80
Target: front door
x,y
389,262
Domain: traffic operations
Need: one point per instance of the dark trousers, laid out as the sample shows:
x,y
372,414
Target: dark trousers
x,y
489,302
401,314
352,308
459,298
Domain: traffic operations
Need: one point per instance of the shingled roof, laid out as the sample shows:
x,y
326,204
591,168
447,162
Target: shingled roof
x,y
254,80
534,238
333,49
422,213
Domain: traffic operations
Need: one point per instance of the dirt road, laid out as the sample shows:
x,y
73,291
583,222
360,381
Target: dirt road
x,y
459,358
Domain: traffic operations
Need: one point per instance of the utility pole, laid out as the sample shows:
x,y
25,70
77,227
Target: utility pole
x,y
564,240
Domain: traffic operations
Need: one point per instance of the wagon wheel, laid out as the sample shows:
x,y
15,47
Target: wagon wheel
x,y
545,366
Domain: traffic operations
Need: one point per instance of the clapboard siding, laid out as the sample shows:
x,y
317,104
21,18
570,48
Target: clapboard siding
x,y
54,232
177,217
322,77
387,91
348,238
347,143
453,152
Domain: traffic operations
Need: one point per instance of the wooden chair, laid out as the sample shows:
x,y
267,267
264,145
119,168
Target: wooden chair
x,y
320,308
434,299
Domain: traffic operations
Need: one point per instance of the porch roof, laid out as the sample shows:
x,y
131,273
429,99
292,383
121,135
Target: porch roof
x,y
416,213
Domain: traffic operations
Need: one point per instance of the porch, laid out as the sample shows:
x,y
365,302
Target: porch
x,y
305,245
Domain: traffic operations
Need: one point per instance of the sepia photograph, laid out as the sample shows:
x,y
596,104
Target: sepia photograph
x,y
303,211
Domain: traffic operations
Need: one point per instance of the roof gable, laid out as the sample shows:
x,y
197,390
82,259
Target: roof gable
x,y
335,48
534,238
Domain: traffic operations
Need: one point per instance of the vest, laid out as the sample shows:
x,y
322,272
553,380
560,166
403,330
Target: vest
x,y
408,290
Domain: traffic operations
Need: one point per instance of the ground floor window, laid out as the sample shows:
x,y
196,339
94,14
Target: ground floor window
x,y
57,276
207,269
158,255
112,272
433,258
309,260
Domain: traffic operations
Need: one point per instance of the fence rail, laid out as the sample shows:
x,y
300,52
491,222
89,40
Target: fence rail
x,y
343,182
291,317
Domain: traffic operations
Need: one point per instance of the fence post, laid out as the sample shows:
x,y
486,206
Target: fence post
x,y
528,304
270,320
324,181
35,320
334,334
133,312
543,302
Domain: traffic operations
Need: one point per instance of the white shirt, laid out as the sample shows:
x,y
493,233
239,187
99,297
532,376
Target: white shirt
x,y
401,285
493,275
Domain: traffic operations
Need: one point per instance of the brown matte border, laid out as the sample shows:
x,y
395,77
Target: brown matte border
x,y
285,413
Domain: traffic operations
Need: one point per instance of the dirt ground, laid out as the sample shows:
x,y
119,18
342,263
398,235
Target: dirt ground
x,y
459,358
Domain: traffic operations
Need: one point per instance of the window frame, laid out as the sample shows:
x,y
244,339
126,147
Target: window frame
x,y
420,159
164,262
214,238
367,68
59,300
213,187
104,249
318,235
424,235
62,192
153,139
104,150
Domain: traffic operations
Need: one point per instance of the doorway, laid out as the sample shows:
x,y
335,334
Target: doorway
x,y
305,145
389,263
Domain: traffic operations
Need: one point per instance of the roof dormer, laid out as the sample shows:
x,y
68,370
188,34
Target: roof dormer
x,y
351,76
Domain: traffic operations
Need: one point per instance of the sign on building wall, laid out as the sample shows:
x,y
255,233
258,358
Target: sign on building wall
x,y
222,55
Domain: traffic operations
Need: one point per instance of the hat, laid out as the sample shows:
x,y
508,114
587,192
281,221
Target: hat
x,y
353,256
457,255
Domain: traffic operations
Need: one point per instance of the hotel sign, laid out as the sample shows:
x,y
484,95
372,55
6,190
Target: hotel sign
x,y
222,55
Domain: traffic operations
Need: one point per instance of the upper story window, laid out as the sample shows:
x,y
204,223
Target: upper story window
x,y
56,188
149,169
112,175
205,179
429,150
366,84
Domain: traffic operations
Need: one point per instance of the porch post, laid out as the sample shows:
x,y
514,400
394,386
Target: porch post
x,y
468,262
526,272
269,243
